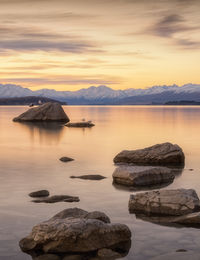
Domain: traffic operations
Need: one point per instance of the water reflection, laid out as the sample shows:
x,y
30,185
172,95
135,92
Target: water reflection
x,y
120,250
44,132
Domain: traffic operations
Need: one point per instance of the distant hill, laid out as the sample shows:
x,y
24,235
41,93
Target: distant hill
x,y
26,101
103,95
182,103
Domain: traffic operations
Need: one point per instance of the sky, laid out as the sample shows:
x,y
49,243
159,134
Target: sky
x,y
74,44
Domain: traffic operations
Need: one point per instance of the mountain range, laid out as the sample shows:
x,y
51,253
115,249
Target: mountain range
x,y
103,95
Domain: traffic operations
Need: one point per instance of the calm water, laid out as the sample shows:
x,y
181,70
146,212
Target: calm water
x,y
29,161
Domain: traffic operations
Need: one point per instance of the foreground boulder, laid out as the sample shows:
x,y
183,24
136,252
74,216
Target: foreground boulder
x,y
76,231
48,112
165,154
142,175
165,202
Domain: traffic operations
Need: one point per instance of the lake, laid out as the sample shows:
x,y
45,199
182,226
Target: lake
x,y
29,161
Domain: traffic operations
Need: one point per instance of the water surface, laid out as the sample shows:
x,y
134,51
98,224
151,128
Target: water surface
x,y
29,161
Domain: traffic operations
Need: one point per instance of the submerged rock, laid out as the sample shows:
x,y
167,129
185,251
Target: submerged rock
x,y
47,257
165,154
57,198
95,177
165,202
80,234
80,124
39,193
66,159
142,175
48,112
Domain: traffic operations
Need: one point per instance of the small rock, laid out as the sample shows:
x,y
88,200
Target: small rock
x,y
181,250
66,159
58,198
95,177
191,170
80,124
108,254
39,193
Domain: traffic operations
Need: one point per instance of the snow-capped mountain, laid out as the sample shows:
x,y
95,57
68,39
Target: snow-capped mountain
x,y
106,95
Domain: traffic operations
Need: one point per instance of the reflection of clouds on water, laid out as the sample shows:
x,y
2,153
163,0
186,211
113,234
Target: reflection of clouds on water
x,y
44,132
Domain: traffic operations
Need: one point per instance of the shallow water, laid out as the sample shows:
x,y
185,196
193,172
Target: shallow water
x,y
29,160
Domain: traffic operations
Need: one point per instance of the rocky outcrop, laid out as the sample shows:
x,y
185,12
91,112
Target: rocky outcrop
x,y
165,202
94,177
142,175
165,154
39,193
66,159
76,231
47,112
57,198
80,124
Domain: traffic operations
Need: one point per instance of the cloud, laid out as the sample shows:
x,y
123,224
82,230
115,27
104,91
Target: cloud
x,y
170,25
175,28
62,81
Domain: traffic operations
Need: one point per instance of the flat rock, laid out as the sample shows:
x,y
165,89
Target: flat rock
x,y
165,202
142,175
39,193
94,177
48,112
58,198
165,154
75,235
80,124
66,159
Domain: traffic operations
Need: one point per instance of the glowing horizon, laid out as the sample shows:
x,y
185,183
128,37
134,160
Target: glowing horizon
x,y
67,45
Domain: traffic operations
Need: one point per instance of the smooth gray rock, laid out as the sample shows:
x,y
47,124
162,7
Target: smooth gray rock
x,y
39,193
48,112
74,235
165,154
66,159
142,175
57,198
165,202
80,124
93,177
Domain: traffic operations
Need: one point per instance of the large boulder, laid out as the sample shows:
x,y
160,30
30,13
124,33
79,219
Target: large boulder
x,y
165,202
75,231
165,154
48,112
142,175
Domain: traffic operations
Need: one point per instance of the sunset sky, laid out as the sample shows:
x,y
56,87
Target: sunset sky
x,y
73,44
